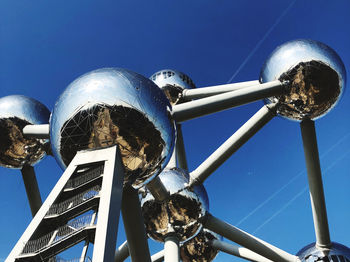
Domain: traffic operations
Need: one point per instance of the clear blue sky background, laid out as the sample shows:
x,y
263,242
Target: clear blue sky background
x,y
46,44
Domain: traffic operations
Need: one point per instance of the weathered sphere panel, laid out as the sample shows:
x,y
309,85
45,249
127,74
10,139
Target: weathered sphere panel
x,y
198,249
316,78
115,106
16,112
172,83
337,253
180,213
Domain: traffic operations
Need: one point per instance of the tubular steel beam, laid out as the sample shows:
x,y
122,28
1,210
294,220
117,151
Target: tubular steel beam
x,y
37,131
158,257
180,149
171,249
244,239
134,226
238,251
318,203
157,189
231,145
189,94
208,105
32,188
122,252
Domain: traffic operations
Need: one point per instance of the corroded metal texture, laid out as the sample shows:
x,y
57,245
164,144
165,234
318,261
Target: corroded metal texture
x,y
198,249
172,83
337,253
115,106
15,113
180,213
315,75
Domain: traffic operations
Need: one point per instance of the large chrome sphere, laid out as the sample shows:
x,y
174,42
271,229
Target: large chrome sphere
x,y
115,106
180,213
338,253
15,113
198,249
172,83
316,77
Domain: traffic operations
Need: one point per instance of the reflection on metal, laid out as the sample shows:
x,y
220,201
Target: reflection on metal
x,y
316,78
172,83
16,112
199,249
337,253
181,211
115,106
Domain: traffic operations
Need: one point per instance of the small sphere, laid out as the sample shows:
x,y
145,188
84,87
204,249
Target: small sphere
x,y
16,112
180,213
315,77
337,253
113,106
172,83
198,249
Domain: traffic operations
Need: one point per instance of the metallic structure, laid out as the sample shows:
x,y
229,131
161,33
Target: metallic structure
x,y
99,118
119,138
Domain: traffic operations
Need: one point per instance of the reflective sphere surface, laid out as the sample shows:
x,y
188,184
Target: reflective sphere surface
x,y
198,249
180,213
115,106
338,253
16,112
172,83
316,78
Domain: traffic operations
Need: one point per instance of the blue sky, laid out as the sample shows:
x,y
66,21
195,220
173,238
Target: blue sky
x,y
46,44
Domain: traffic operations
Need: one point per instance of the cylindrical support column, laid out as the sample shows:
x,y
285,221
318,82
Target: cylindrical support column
x,y
37,131
171,249
231,145
318,203
208,105
238,251
157,189
158,257
84,251
244,239
32,188
122,252
134,226
173,160
201,92
180,149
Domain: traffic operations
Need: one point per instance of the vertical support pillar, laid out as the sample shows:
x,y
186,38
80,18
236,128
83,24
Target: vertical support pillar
x,y
180,149
32,188
171,249
122,252
134,226
109,209
84,251
313,167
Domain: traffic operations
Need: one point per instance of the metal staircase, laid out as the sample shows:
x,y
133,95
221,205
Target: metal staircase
x,y
69,215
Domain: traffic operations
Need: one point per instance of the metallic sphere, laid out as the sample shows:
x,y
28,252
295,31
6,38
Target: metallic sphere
x,y
15,113
115,106
338,253
180,213
316,78
172,83
198,249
